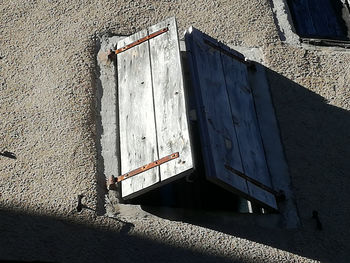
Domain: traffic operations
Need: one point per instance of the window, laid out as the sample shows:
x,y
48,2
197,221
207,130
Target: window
x,y
323,22
238,133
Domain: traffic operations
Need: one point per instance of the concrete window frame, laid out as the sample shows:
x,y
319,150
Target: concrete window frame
x,y
108,152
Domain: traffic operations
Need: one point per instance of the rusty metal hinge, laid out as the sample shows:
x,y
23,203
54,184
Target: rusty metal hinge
x,y
278,194
138,42
142,169
230,54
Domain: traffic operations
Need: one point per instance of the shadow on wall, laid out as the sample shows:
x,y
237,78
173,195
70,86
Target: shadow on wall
x,y
8,154
316,138
32,238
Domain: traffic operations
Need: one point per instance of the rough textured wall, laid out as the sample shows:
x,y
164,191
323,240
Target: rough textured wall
x,y
47,117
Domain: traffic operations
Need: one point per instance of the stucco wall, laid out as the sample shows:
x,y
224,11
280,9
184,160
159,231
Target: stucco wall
x,y
48,116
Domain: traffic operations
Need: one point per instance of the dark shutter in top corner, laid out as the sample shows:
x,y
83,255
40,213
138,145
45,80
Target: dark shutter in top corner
x,y
322,19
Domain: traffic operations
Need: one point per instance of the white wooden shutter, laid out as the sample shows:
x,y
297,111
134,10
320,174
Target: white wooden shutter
x,y
231,142
152,111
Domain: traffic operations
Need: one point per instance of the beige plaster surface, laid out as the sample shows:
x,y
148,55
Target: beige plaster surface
x,y
48,119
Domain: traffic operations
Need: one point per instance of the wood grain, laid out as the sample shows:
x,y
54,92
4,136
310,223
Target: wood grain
x,y
152,109
169,100
243,112
218,135
247,128
138,143
230,133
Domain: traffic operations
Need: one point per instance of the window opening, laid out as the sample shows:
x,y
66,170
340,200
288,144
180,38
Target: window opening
x,y
214,82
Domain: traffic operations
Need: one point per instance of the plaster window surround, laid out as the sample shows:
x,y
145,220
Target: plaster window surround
x,y
223,126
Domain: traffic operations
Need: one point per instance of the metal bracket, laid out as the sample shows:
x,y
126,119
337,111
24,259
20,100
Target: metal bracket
x,y
326,42
228,53
278,194
141,169
138,42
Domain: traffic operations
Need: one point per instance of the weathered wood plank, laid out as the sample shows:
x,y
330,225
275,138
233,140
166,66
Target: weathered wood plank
x,y
247,128
218,134
138,143
243,112
169,100
261,195
270,135
228,118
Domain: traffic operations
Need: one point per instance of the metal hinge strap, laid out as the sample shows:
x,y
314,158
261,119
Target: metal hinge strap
x,y
226,52
141,40
278,195
147,167
111,180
